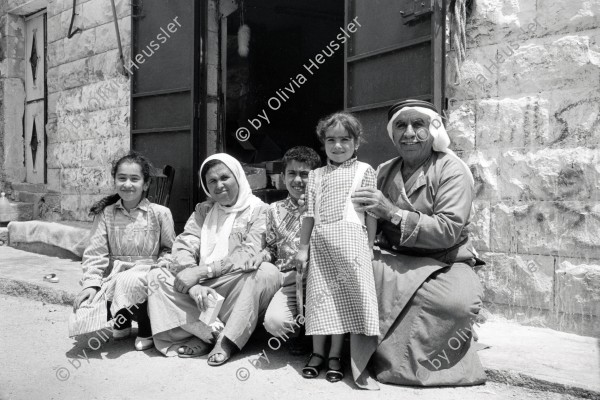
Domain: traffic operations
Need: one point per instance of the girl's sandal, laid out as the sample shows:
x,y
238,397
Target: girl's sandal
x,y
312,371
193,350
334,374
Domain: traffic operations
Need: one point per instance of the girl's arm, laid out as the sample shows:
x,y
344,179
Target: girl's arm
x,y
96,256
305,232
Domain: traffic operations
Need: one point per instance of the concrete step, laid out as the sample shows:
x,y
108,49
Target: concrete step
x,y
536,358
67,239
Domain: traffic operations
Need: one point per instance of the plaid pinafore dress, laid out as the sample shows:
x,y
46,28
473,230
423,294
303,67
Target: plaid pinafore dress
x,y
340,293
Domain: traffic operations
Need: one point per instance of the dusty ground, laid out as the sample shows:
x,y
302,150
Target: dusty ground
x,y
39,361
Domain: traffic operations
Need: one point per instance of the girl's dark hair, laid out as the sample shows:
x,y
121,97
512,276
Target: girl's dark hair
x,y
133,158
347,120
207,167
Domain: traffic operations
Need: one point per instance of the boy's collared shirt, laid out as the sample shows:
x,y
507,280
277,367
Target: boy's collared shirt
x,y
283,232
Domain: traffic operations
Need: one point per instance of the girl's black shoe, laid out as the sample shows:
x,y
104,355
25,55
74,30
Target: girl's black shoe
x,y
312,371
334,374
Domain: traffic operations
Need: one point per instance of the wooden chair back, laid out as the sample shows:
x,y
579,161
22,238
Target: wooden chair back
x,y
161,183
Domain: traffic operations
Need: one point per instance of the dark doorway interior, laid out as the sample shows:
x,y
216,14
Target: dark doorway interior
x,y
272,81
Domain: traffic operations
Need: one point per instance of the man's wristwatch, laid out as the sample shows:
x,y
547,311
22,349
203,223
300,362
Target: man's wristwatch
x,y
397,218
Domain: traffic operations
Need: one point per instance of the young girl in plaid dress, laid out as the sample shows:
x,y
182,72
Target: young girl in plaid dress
x,y
340,291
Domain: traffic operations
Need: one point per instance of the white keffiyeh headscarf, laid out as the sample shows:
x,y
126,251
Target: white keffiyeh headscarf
x,y
214,238
441,140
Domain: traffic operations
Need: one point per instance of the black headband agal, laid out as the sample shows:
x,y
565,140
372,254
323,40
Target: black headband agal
x,y
409,103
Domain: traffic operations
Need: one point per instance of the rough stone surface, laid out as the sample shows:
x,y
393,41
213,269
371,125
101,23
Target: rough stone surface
x,y
578,286
525,115
520,280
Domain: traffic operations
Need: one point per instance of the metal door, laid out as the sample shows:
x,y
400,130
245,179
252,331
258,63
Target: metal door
x,y
35,100
397,52
166,116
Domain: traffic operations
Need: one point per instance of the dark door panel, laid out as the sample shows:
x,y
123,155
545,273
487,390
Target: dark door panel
x,y
165,90
389,59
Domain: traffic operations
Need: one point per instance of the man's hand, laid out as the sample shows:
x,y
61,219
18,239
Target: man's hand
x,y
300,260
86,294
187,278
373,200
254,262
200,295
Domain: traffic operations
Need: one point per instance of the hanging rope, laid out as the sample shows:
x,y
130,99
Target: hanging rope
x,y
458,34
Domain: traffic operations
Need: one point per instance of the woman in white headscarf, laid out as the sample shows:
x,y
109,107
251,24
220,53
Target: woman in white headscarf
x,y
428,294
213,255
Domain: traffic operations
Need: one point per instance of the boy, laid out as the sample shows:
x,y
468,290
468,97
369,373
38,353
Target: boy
x,y
283,238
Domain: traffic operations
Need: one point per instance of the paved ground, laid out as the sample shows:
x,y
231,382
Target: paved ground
x,y
39,361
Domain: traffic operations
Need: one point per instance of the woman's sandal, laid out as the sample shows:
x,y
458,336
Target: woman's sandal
x,y
193,350
334,374
312,371
221,352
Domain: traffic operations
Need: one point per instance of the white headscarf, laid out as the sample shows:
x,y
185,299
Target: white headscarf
x,y
214,239
441,140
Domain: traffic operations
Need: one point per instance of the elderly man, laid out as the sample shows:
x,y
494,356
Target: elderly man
x,y
428,293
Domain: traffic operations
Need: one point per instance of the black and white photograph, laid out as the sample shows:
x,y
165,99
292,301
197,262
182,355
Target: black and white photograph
x,y
292,199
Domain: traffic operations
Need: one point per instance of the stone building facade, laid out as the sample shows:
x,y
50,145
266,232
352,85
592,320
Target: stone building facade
x,y
526,118
524,115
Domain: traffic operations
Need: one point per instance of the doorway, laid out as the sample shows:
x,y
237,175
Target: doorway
x,y
270,91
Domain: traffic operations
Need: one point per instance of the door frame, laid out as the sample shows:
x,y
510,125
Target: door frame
x,y
198,104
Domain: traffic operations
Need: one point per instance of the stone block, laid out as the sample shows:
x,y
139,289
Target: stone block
x,y
84,180
55,56
477,80
15,26
564,62
578,286
104,66
460,125
54,29
498,21
13,68
14,47
81,45
480,225
550,174
98,12
53,179
104,94
576,117
75,207
106,38
64,155
518,280
484,167
72,74
561,17
568,229
513,122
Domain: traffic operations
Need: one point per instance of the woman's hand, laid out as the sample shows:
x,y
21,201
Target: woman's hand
x,y
300,260
200,295
86,294
187,278
373,200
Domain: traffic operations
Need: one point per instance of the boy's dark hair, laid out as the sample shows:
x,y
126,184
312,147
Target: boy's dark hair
x,y
302,154
131,157
347,120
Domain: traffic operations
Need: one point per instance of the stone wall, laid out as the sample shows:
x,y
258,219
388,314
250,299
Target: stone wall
x,y
88,101
525,115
